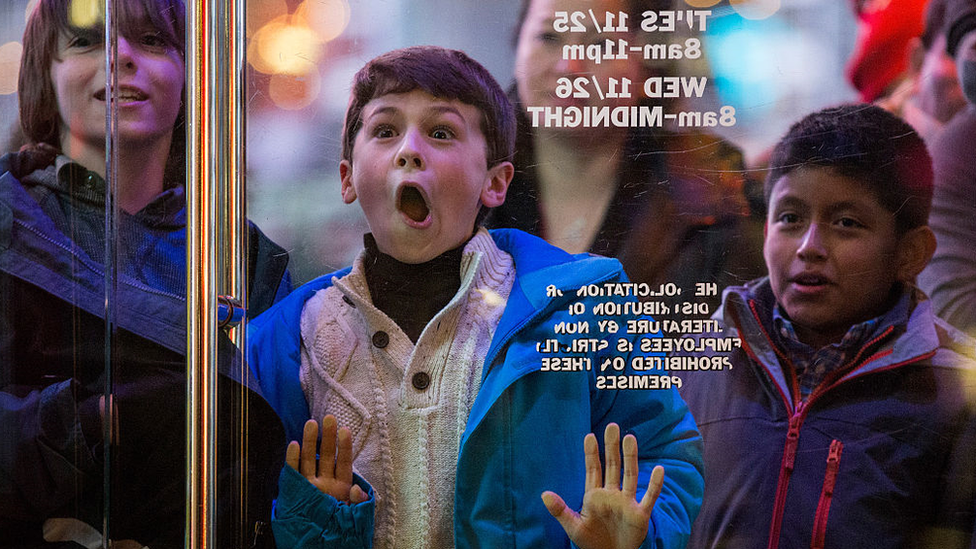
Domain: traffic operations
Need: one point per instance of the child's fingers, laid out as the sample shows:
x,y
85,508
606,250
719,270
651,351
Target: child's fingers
x,y
343,463
327,451
591,456
309,435
292,453
653,489
357,495
629,484
567,518
611,443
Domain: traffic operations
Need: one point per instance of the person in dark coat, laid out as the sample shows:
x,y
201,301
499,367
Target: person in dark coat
x,y
62,379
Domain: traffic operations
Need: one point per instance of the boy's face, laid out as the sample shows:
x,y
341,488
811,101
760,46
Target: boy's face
x,y
150,88
832,251
420,173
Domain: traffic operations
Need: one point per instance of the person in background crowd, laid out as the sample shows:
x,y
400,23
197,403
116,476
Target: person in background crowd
x,y
885,31
929,95
53,263
950,278
671,206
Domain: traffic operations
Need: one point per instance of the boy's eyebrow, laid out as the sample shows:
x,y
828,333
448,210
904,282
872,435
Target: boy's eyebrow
x,y
436,109
845,205
791,201
389,109
788,201
446,109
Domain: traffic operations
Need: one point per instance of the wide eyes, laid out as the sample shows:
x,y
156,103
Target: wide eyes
x,y
384,132
440,133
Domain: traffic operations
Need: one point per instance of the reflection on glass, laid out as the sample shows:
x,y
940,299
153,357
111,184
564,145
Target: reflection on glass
x,y
68,450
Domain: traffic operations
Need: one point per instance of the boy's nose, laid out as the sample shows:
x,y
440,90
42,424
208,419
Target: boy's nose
x,y
409,156
812,246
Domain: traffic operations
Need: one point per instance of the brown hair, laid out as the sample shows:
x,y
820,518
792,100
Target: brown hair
x,y
447,74
40,118
868,144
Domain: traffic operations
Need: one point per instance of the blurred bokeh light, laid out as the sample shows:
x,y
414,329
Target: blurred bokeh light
x,y
85,13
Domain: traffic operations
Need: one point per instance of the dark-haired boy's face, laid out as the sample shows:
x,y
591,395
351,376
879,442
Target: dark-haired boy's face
x,y
420,173
832,251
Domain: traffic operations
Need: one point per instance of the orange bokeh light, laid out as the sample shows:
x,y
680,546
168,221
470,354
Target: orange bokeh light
x,y
327,17
284,46
293,92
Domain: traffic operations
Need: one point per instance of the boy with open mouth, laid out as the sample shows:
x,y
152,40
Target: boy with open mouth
x,y
423,358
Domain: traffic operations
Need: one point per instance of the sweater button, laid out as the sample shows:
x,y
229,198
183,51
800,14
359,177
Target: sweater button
x,y
420,381
381,339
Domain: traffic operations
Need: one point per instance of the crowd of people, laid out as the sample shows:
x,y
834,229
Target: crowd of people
x,y
425,396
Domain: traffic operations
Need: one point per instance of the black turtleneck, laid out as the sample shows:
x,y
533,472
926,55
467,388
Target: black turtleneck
x,y
411,294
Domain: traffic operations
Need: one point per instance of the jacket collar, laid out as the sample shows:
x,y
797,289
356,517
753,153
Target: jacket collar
x,y
747,312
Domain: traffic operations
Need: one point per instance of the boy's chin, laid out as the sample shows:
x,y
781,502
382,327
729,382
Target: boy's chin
x,y
413,248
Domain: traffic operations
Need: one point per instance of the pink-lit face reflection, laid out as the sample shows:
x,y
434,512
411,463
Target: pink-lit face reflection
x,y
150,88
543,55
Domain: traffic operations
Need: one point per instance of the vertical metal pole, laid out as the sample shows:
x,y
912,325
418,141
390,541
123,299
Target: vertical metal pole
x,y
232,182
233,224
201,278
216,237
110,256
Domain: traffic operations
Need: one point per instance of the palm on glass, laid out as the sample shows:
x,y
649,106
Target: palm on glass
x,y
611,516
331,470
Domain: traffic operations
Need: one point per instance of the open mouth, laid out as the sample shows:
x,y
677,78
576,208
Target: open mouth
x,y
413,205
810,280
126,95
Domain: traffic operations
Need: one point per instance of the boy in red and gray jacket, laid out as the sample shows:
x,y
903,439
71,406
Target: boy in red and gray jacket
x,y
846,419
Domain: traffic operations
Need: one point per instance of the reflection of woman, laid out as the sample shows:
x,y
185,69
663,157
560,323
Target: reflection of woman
x,y
670,206
52,288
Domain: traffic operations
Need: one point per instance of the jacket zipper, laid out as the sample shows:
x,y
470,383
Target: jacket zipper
x,y
826,495
785,471
796,420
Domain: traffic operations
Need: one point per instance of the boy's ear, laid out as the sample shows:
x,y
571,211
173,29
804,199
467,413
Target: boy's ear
x,y
345,176
496,184
915,249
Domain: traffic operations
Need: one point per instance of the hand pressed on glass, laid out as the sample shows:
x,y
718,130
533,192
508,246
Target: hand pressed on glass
x,y
331,470
611,515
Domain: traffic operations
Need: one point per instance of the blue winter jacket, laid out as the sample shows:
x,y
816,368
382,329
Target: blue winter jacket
x,y
525,430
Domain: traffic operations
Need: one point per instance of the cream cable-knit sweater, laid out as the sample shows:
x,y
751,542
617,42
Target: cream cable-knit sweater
x,y
406,405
